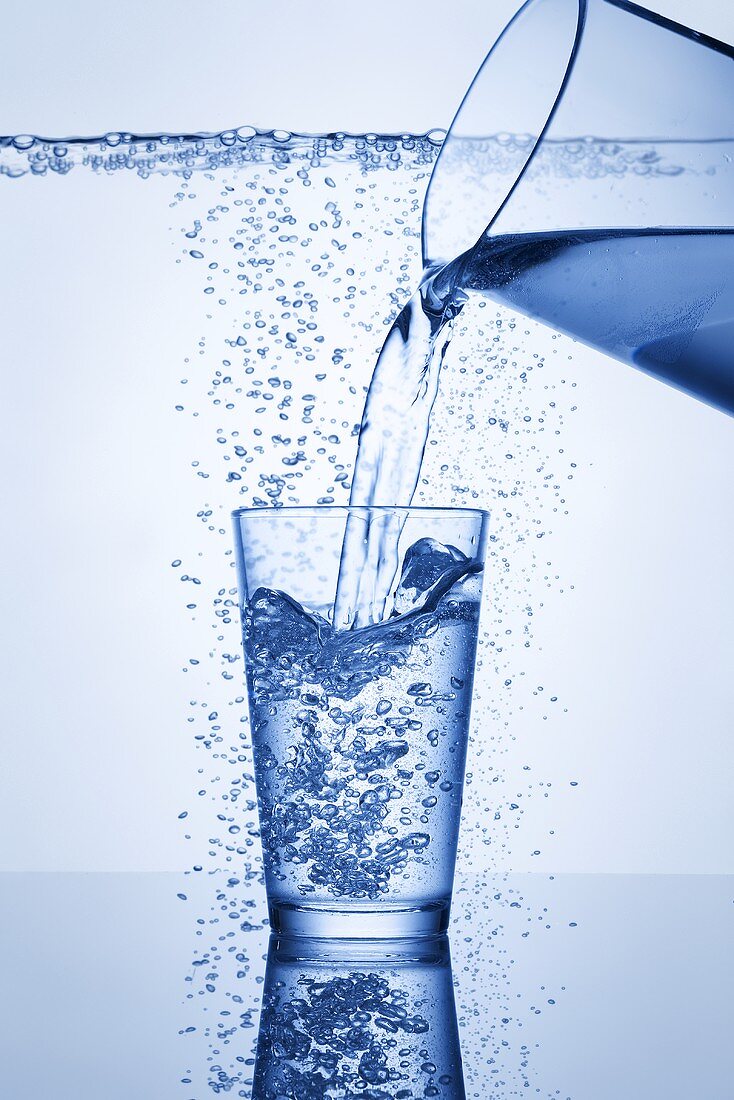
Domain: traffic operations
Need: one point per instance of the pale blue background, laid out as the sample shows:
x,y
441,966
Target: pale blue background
x,y
640,651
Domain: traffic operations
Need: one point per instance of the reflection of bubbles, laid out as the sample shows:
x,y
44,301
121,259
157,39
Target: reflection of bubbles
x,y
358,1019
381,1016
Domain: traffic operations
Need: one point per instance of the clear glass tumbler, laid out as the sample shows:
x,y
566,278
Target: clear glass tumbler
x,y
345,1019
359,735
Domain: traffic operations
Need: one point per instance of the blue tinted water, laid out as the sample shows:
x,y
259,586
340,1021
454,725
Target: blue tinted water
x,y
349,1023
360,739
661,299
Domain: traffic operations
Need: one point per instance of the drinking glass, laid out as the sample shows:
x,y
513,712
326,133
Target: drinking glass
x,y
359,735
358,1019
588,181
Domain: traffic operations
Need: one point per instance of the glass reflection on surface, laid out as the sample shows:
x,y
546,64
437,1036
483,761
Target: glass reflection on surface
x,y
358,1019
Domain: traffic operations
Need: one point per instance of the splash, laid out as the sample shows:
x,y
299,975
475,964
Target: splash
x,y
290,261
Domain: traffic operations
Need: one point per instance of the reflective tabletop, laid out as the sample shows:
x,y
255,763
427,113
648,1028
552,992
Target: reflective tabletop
x,y
589,987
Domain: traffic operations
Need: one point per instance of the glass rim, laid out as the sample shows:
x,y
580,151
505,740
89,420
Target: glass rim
x,y
311,510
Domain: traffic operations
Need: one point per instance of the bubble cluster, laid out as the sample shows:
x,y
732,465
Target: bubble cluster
x,y
356,1032
185,154
358,799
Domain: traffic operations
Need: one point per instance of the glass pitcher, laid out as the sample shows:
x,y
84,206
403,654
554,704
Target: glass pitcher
x,y
587,180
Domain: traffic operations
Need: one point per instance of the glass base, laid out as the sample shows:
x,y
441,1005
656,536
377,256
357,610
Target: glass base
x,y
355,923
